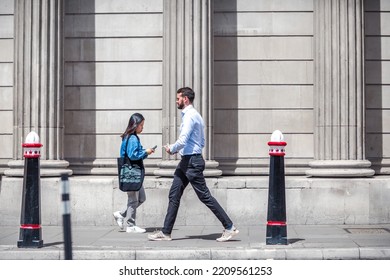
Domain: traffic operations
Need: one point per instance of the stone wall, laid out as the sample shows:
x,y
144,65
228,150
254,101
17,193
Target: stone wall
x,y
308,201
377,17
263,53
113,68
6,81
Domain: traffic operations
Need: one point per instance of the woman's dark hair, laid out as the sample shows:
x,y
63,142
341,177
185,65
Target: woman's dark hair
x,y
134,121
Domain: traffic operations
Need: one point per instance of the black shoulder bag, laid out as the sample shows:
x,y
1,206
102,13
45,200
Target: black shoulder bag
x,y
131,174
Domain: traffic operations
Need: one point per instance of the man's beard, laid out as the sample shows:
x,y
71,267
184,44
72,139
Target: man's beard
x,y
180,106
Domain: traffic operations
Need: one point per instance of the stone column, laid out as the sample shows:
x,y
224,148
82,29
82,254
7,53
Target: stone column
x,y
38,83
188,62
339,90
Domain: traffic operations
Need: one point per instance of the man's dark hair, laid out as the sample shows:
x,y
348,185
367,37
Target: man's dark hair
x,y
186,91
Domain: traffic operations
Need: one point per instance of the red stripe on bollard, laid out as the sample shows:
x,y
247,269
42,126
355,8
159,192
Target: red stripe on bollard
x,y
277,148
32,145
30,226
276,223
32,150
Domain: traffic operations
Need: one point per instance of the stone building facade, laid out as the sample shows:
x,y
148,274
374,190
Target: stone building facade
x,y
75,70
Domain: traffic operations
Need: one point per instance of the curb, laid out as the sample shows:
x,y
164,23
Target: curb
x,y
370,253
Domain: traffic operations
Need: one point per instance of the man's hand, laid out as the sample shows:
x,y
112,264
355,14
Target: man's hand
x,y
167,149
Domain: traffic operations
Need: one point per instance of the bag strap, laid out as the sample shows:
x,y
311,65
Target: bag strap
x,y
127,156
127,142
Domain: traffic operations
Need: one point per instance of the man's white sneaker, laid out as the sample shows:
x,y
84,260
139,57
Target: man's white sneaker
x,y
159,236
135,229
228,234
119,219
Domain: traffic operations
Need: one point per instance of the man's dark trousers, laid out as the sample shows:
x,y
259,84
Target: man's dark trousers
x,y
190,170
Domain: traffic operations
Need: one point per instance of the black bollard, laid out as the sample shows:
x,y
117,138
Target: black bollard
x,y
276,216
66,217
30,234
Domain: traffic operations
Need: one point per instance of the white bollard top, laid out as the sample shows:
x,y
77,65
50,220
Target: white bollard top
x,y
32,137
277,136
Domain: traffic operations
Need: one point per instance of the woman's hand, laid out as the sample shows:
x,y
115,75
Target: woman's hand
x,y
149,151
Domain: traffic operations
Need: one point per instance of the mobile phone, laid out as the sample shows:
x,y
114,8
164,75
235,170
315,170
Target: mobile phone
x,y
154,147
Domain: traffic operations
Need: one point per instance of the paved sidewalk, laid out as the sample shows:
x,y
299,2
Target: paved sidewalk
x,y
314,242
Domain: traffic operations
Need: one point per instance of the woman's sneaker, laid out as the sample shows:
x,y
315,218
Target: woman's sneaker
x,y
227,234
119,219
135,229
159,236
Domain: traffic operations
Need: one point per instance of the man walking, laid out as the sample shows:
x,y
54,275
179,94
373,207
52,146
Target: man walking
x,y
190,169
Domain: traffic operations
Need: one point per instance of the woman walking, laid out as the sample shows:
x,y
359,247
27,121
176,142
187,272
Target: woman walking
x,y
132,146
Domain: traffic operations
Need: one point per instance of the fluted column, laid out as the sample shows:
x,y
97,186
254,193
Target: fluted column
x,y
339,90
188,62
38,83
